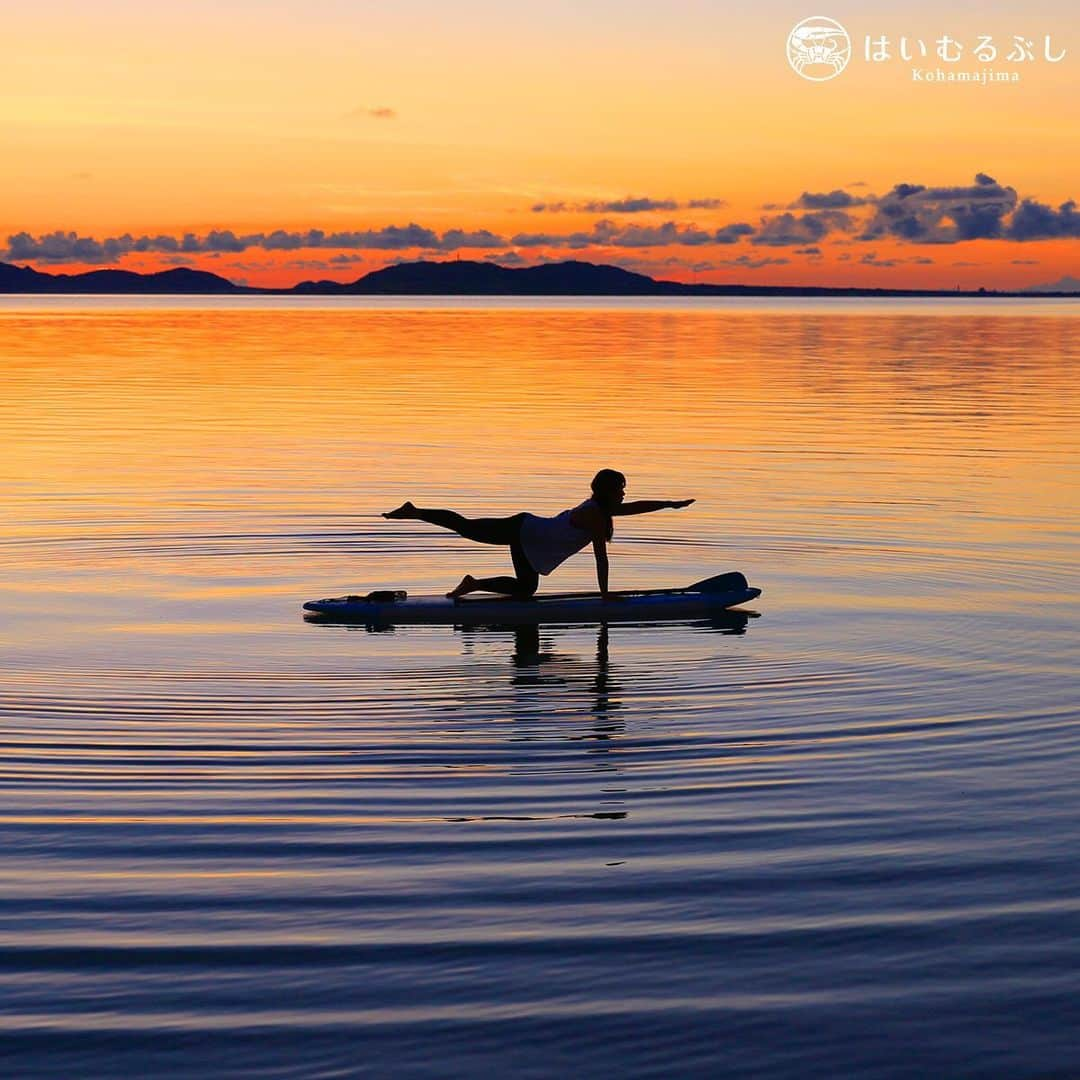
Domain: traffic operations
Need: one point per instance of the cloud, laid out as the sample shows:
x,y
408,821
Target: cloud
x,y
918,213
831,200
787,229
630,204
942,215
1036,221
390,238
731,234
747,262
372,112
870,258
55,247
660,236
61,247
607,233
224,240
455,239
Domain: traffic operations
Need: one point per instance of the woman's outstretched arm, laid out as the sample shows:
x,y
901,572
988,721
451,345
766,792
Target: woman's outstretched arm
x,y
647,506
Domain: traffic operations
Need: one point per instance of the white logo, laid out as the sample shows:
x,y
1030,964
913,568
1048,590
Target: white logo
x,y
818,48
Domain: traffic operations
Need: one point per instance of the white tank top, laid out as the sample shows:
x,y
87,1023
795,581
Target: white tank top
x,y
549,541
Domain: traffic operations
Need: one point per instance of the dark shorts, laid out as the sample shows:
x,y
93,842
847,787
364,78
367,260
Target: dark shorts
x,y
504,531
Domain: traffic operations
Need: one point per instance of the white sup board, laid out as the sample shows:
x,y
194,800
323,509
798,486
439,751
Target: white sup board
x,y
645,606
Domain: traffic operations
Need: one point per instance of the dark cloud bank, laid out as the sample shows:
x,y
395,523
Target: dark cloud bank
x,y
912,213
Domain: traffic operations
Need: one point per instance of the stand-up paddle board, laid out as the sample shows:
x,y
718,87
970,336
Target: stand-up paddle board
x,y
646,605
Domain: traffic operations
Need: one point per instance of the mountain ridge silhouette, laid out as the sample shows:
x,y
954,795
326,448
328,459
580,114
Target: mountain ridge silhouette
x,y
452,277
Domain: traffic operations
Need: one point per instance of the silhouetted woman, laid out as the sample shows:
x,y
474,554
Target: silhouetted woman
x,y
539,544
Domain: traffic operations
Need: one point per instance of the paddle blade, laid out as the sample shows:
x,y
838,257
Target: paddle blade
x,y
720,583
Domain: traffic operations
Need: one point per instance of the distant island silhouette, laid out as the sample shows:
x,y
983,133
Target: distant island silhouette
x,y
457,277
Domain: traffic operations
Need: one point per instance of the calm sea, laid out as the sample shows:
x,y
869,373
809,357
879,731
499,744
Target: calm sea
x,y
842,842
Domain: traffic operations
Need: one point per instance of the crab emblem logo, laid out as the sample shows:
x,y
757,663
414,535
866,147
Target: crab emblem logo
x,y
818,48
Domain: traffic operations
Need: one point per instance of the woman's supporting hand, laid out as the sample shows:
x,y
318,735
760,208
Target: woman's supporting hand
x,y
678,504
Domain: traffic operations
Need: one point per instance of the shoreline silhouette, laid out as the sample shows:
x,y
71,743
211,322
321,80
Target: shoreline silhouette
x,y
454,277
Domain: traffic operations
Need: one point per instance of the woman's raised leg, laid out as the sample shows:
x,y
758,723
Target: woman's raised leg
x,y
482,530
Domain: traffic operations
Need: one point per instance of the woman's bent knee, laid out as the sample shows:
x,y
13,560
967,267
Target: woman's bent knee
x,y
526,587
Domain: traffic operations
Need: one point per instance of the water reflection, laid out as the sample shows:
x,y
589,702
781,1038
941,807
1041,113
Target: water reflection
x,y
536,661
536,664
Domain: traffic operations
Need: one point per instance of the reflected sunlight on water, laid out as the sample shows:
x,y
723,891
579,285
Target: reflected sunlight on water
x,y
239,841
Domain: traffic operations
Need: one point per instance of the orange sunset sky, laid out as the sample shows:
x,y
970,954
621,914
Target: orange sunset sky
x,y
275,142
